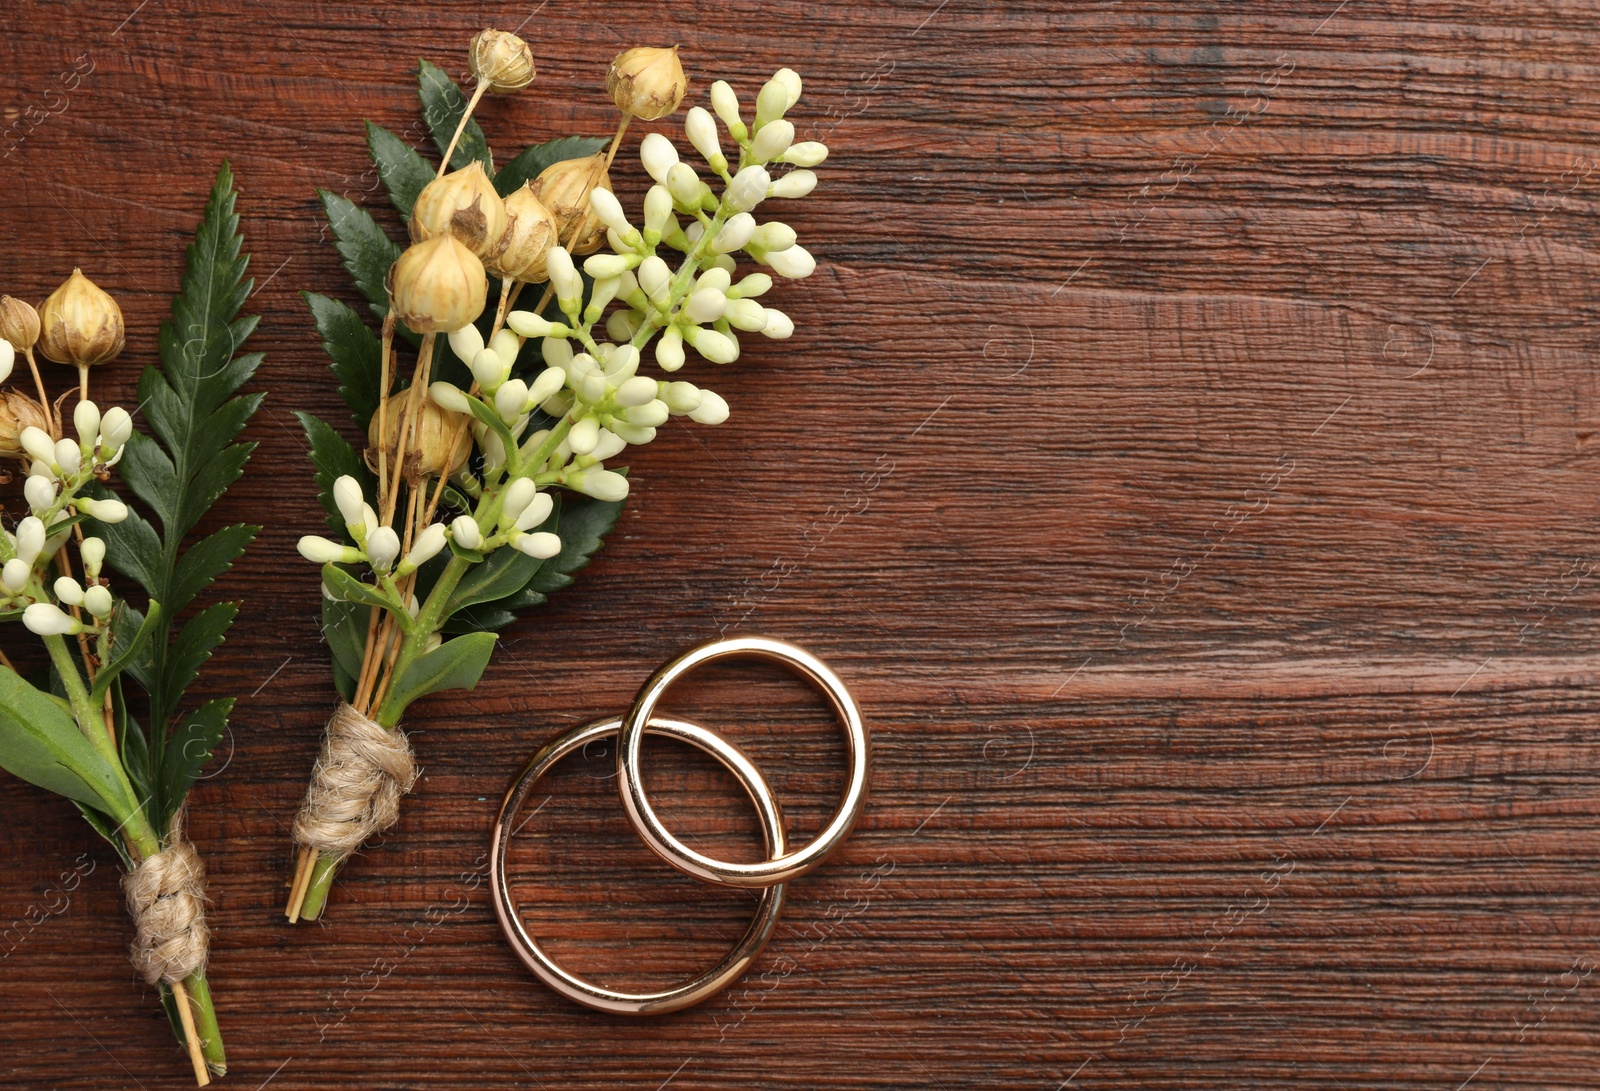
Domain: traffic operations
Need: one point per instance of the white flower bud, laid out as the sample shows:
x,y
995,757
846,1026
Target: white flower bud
x,y
772,141
603,266
48,619
556,351
466,343
746,314
107,511
603,485
705,305
622,325
494,451
99,601
67,456
69,591
564,277
756,284
591,387
657,210
347,496
726,105
37,442
610,445
658,156
680,397
489,369
651,414
30,539
685,186
369,519
449,396
537,511
427,545
791,85
605,205
319,550
702,133
93,552
669,349
713,409
807,153
717,347
794,263
14,575
528,324
748,189
115,427
714,278
654,276
518,495
542,545
774,236
621,363
797,183
638,390
778,325
39,492
771,102
383,546
86,422
584,435
8,359
464,529
550,380
511,400
735,233
635,434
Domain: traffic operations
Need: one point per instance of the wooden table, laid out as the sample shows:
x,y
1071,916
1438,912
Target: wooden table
x,y
1187,453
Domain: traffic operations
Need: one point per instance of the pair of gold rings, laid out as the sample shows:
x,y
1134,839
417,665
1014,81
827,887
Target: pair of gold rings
x,y
770,876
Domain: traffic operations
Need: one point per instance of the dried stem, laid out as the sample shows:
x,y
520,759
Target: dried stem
x,y
466,115
191,1036
44,399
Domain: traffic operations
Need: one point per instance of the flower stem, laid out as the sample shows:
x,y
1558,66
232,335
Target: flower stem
x,y
205,1013
321,882
461,127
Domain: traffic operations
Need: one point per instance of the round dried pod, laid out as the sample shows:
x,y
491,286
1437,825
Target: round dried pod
x,y
80,324
19,323
564,189
437,286
500,59
18,411
464,204
647,83
439,447
530,233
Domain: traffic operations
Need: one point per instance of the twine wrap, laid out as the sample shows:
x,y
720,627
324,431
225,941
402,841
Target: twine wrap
x,y
167,898
356,786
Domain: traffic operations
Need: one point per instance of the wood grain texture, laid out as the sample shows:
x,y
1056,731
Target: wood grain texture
x,y
1187,453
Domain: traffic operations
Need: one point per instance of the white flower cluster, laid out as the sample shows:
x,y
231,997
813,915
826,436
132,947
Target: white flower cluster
x,y
60,469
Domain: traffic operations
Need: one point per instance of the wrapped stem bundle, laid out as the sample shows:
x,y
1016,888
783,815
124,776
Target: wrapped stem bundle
x,y
487,479
77,733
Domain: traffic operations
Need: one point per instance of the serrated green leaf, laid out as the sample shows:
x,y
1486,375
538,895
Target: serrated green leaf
x,y
333,458
355,353
134,549
404,173
367,250
442,107
531,162
196,641
125,648
205,561
455,664
585,522
41,743
191,746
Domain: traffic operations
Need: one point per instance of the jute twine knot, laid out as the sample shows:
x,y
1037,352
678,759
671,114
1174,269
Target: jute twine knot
x,y
167,898
356,786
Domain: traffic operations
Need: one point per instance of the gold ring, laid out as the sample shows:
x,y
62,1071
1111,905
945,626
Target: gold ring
x,y
586,992
780,867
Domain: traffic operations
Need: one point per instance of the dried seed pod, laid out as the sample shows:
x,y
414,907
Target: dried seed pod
x,y
441,445
530,233
647,83
564,188
464,204
80,324
18,411
19,323
502,60
437,286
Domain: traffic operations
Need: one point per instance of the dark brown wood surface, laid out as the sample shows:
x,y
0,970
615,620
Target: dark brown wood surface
x,y
1187,452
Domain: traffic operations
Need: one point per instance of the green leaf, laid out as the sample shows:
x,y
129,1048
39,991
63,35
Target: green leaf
x,y
531,162
40,742
442,107
196,641
585,522
334,458
355,352
346,588
505,572
455,664
205,561
487,415
367,250
403,171
191,746
106,827
344,627
124,649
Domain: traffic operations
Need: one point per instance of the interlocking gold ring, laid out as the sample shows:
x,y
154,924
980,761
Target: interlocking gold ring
x,y
585,992
780,867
